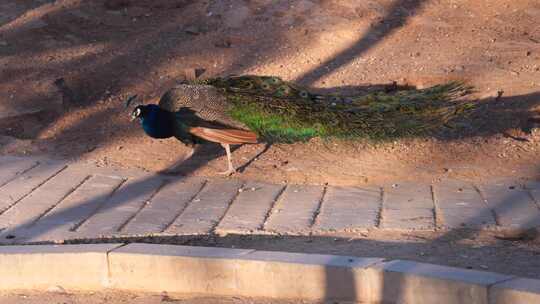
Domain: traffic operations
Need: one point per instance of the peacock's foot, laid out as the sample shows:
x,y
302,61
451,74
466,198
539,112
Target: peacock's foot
x,y
229,172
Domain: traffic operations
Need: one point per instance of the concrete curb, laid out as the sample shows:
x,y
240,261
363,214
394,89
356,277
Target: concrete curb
x,y
253,273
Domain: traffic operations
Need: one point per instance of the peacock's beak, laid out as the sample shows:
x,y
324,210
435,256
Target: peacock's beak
x,y
130,100
132,117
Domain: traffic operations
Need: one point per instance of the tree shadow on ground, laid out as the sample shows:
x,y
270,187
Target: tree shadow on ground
x,y
396,17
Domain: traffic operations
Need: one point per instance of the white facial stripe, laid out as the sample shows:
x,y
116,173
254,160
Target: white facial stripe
x,y
138,112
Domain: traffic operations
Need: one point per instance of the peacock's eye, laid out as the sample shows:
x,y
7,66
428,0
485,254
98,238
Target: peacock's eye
x,y
136,113
304,94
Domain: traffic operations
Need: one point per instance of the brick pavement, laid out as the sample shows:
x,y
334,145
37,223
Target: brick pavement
x,y
46,200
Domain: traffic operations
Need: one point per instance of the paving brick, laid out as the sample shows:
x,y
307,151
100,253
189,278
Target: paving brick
x,y
474,218
534,189
25,183
459,205
407,196
34,206
11,167
250,208
29,209
516,291
513,206
40,267
407,219
295,211
4,159
450,195
204,211
348,210
121,207
410,282
126,173
59,222
165,206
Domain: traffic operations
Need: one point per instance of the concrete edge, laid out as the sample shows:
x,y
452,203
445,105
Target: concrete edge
x,y
252,273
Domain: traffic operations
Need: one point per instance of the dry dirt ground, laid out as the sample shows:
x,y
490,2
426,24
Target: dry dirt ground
x,y
61,297
107,50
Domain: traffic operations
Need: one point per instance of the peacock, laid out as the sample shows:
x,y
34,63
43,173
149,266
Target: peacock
x,y
250,109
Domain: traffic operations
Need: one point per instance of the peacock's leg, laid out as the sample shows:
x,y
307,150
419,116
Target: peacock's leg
x,y
231,168
191,151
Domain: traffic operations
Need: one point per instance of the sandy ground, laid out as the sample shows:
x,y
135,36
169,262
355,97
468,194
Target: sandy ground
x,y
107,50
59,296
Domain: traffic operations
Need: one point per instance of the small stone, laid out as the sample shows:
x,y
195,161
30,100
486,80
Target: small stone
x,y
499,94
56,289
224,43
192,30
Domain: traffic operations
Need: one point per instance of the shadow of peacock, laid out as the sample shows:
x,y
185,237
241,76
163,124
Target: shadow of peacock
x,y
250,109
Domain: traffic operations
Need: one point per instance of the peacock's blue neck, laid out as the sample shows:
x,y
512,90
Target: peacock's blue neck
x,y
157,123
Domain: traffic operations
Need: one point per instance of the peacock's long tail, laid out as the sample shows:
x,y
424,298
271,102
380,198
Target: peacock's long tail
x,y
280,111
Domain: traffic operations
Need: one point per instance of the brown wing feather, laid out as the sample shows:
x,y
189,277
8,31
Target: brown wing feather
x,y
225,136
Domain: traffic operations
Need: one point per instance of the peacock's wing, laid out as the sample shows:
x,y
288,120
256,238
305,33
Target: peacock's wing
x,y
205,102
224,136
261,86
191,126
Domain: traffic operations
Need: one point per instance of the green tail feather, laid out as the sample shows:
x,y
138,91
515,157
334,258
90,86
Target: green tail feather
x,y
283,112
